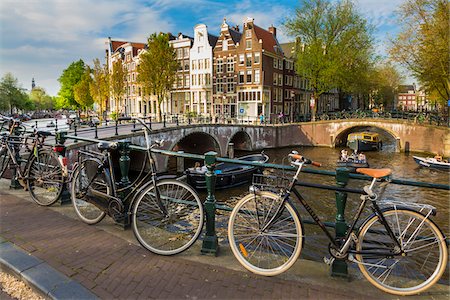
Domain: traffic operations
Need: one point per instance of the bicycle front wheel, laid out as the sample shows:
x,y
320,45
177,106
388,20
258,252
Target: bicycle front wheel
x,y
265,251
45,178
85,180
170,224
4,159
421,240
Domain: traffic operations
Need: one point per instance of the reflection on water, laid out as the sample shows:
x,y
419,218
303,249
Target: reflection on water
x,y
323,202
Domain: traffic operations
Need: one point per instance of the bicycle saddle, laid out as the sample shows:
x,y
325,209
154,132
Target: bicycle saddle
x,y
375,173
107,146
43,133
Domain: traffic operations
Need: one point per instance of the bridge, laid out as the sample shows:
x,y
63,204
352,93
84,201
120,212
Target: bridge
x,y
201,138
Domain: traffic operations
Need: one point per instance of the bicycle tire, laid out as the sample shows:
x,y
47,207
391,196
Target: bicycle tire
x,y
265,256
407,274
85,210
4,160
45,180
173,233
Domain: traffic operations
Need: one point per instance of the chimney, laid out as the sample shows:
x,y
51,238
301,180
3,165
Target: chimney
x,y
273,30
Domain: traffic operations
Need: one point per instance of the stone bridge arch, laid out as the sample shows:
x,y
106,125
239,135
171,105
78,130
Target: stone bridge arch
x,y
241,141
341,135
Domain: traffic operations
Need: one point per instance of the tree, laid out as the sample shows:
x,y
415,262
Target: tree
x,y
99,86
12,96
157,68
334,45
385,81
117,83
81,90
41,100
68,79
423,44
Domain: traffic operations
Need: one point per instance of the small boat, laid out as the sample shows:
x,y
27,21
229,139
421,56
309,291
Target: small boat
x,y
51,124
364,141
432,162
352,161
227,174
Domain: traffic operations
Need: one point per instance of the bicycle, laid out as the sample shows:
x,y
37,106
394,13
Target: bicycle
x,y
398,248
166,215
44,171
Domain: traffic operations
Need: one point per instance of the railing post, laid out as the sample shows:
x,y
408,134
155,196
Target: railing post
x,y
56,125
339,266
96,130
124,164
60,138
180,163
116,133
231,150
178,123
75,130
164,121
36,122
16,147
150,122
210,242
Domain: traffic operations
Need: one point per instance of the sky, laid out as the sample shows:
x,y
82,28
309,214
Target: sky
x,y
40,38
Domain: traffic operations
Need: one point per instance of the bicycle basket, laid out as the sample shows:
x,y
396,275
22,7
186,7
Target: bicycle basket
x,y
270,182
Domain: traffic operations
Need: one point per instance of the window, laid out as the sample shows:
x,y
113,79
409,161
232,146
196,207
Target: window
x,y
257,76
241,59
286,80
220,65
193,79
230,64
257,57
249,76
179,53
280,64
230,85
186,52
180,81
248,44
275,79
194,62
200,49
208,79
275,63
186,80
248,33
200,64
207,64
241,77
248,61
186,65
280,79
219,87
225,45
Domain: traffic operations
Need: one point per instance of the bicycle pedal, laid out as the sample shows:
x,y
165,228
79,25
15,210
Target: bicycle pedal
x,y
328,260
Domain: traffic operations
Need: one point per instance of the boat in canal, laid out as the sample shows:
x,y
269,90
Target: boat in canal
x,y
352,161
364,141
432,162
227,174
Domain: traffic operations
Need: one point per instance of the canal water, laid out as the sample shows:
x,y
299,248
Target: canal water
x,y
323,202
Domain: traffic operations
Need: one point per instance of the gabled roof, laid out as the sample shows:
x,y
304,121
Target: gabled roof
x,y
288,49
405,88
269,41
212,39
235,35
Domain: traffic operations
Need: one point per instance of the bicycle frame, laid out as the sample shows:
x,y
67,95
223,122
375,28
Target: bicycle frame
x,y
350,235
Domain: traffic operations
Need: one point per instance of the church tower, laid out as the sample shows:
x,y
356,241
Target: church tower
x,y
33,84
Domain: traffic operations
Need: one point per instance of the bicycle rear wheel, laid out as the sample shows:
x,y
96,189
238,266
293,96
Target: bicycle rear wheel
x,y
82,185
171,225
425,250
266,252
45,178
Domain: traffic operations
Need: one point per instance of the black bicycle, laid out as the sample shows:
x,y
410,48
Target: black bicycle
x,y
166,214
41,170
398,248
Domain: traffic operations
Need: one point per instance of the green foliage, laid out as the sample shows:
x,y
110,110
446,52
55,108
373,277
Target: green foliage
x,y
114,115
82,90
12,96
117,82
334,46
422,46
157,68
68,79
40,99
385,81
99,87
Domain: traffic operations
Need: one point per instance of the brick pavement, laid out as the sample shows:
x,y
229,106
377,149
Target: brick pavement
x,y
112,267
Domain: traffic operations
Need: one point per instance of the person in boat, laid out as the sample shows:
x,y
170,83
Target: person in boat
x,y
344,155
199,168
362,157
438,158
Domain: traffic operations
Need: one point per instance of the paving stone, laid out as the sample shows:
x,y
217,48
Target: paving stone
x,y
44,277
71,290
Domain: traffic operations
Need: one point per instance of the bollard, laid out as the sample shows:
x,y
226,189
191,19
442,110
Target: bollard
x,y
231,150
150,122
96,130
210,242
134,124
60,148
178,123
56,125
116,133
339,266
180,163
164,121
36,122
124,164
189,120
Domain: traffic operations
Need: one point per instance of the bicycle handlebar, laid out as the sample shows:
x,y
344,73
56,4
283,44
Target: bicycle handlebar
x,y
304,160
